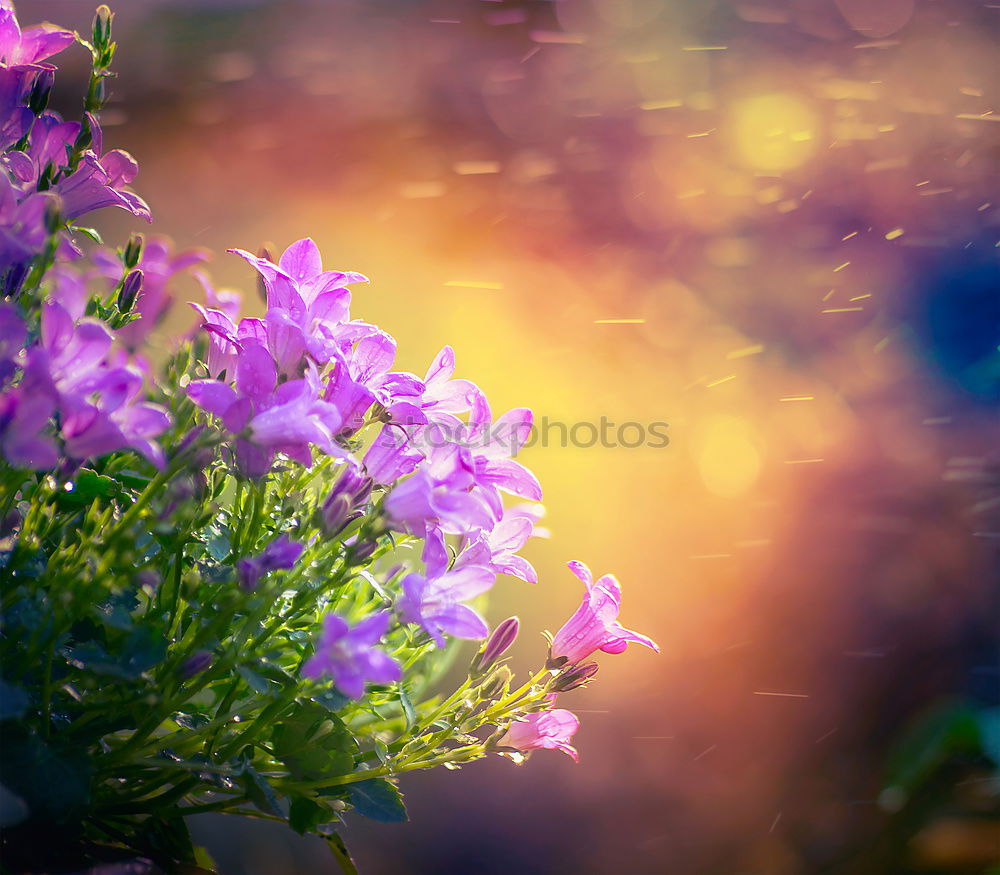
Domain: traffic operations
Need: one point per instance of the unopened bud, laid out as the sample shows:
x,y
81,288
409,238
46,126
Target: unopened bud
x,y
133,250
346,501
196,663
497,644
574,677
131,286
38,99
102,26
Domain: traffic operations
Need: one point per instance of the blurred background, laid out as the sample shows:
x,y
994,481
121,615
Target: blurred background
x,y
772,224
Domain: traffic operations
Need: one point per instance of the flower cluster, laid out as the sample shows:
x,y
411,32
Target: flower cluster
x,y
231,581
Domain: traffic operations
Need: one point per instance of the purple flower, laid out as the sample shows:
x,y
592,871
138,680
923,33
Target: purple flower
x,y
22,225
283,418
595,624
349,655
443,395
99,404
100,182
305,304
434,601
25,414
496,549
32,45
280,555
390,456
12,337
548,730
441,495
159,265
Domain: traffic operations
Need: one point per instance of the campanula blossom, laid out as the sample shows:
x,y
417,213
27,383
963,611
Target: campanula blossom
x,y
441,495
280,555
390,456
433,600
595,624
350,656
497,548
444,395
159,264
30,46
283,418
101,182
305,304
25,414
548,730
99,403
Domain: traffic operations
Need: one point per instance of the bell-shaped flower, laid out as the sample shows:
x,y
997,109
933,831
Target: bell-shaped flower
x,y
441,494
497,548
305,304
544,730
266,417
101,182
595,624
350,655
280,555
32,45
433,600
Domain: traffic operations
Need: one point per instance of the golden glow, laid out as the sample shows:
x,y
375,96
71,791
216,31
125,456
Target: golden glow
x,y
728,456
773,131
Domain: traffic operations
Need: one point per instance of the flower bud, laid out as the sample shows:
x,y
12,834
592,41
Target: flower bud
x,y
497,644
133,250
346,501
147,578
196,664
574,677
38,99
102,26
131,286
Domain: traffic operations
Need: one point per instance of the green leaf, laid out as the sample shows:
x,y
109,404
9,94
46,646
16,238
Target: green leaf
x,y
142,649
408,710
331,700
259,791
378,799
307,815
260,685
88,232
342,855
218,545
313,743
87,486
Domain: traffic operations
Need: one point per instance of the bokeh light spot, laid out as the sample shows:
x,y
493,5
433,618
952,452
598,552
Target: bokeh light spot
x,y
773,131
